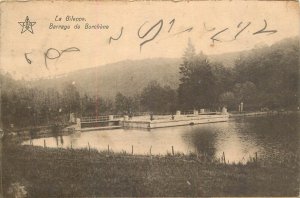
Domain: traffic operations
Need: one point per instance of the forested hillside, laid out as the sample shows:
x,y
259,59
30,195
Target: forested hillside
x,y
128,77
266,77
274,72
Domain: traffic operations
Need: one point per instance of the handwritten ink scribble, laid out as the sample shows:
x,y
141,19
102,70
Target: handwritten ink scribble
x,y
171,23
265,31
70,49
159,23
213,37
240,24
171,26
187,30
241,29
49,53
115,39
27,59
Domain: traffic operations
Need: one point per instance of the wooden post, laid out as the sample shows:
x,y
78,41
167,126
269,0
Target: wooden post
x,y
172,150
89,147
107,148
44,143
224,158
150,149
132,149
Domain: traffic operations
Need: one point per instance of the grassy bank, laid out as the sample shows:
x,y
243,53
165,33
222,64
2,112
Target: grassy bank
x,y
64,172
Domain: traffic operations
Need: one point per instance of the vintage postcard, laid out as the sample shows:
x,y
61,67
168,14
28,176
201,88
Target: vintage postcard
x,y
149,98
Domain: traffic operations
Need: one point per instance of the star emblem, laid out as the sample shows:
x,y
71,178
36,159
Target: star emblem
x,y
27,25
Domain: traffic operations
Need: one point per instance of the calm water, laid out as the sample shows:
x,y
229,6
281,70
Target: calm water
x,y
271,137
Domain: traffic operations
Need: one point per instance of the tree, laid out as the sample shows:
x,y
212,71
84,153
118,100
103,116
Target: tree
x,y
227,99
223,78
158,99
274,71
189,54
71,99
123,104
246,93
197,88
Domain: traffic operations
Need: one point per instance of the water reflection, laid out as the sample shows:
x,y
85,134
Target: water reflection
x,y
213,139
237,147
204,142
239,139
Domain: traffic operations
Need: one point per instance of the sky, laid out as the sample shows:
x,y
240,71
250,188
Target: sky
x,y
149,30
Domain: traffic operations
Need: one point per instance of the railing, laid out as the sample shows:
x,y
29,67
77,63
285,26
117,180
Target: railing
x,y
94,119
141,113
187,112
118,116
138,115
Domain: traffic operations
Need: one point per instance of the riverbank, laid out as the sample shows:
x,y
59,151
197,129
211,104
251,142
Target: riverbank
x,y
22,134
82,172
260,113
19,135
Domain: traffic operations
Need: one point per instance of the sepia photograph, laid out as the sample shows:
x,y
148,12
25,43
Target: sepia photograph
x,y
149,99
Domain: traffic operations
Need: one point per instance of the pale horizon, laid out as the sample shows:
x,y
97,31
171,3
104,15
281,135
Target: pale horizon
x,y
16,77
96,51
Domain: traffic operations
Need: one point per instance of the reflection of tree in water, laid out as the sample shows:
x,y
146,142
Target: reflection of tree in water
x,y
61,140
54,130
204,142
277,134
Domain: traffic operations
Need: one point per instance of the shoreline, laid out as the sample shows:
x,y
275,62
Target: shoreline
x,y
84,172
260,113
20,135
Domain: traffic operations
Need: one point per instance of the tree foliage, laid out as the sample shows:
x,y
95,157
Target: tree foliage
x,y
274,71
201,81
264,77
158,99
126,105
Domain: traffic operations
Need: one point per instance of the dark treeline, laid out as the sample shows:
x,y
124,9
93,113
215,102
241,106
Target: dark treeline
x,y
22,106
266,78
